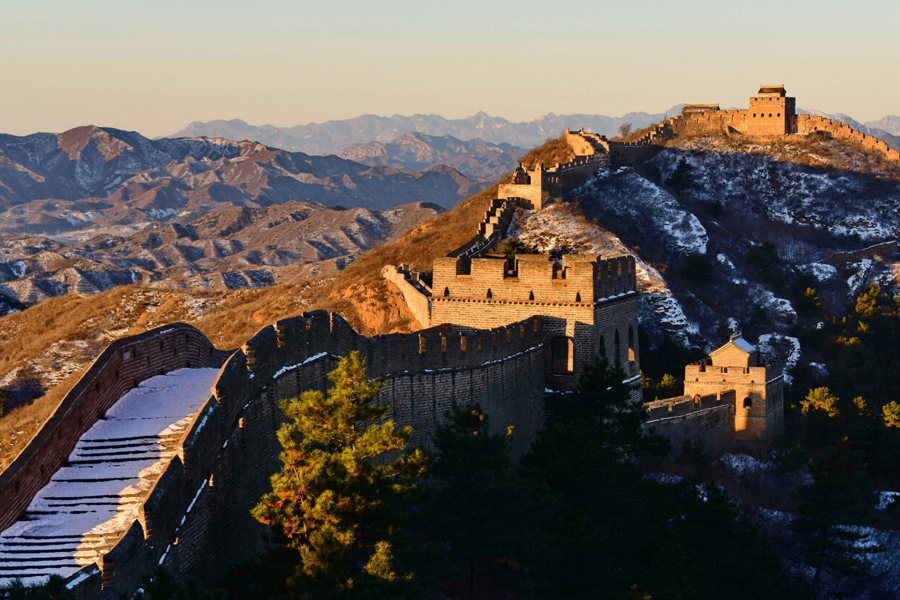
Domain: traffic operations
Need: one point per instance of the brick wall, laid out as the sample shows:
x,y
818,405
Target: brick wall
x,y
704,425
416,300
122,366
196,518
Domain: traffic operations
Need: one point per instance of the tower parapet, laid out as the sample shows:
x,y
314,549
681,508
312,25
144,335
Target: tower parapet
x,y
588,305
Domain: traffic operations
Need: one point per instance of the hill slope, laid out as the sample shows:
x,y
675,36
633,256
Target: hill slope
x,y
828,209
227,248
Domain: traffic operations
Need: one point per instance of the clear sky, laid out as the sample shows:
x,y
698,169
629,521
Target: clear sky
x,y
155,66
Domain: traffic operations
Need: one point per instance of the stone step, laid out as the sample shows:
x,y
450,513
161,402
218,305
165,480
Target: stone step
x,y
13,571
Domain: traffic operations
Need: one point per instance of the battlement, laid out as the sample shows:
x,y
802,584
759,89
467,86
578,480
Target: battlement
x,y
692,109
535,278
493,227
683,405
700,424
541,185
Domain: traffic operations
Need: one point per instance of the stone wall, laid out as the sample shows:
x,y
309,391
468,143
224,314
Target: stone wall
x,y
415,296
702,424
813,125
122,366
424,374
759,399
588,301
196,518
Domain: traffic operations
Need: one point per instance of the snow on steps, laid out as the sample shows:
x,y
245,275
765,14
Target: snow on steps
x,y
93,500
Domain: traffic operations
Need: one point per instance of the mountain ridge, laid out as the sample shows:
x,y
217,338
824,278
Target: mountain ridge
x,y
91,178
335,135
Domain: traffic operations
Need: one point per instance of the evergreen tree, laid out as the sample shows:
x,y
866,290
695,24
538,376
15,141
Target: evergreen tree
x,y
584,457
342,465
474,512
706,551
820,400
682,177
54,589
840,497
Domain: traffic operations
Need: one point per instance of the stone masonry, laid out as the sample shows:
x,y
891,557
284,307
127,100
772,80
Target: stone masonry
x,y
732,402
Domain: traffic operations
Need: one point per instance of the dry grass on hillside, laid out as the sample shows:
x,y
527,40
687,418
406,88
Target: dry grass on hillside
x,y
634,136
551,152
372,305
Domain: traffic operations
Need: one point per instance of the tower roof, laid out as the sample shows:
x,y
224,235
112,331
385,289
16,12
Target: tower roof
x,y
772,90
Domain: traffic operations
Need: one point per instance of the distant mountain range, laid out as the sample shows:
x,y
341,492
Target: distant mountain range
x,y
92,179
476,159
332,137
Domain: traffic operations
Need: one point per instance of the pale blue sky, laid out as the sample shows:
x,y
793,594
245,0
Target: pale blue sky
x,y
155,66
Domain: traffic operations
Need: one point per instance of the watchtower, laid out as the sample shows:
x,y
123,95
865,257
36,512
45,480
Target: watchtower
x,y
588,305
758,390
771,112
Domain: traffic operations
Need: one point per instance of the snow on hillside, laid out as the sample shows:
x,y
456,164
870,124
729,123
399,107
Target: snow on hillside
x,y
841,201
560,228
654,207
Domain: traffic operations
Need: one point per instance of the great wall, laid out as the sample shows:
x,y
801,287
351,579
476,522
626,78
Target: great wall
x,y
494,332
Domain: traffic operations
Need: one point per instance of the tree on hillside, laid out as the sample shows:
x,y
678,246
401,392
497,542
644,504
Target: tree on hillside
x,y
867,302
54,589
341,466
474,512
822,400
891,414
584,458
764,258
682,177
706,550
840,497
624,129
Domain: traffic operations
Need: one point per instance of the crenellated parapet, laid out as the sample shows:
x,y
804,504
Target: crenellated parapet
x,y
537,187
534,278
119,368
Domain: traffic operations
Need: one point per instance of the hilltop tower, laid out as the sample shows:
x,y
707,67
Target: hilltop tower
x,y
772,112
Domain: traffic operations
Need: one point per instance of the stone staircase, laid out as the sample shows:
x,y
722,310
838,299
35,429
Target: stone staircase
x,y
91,502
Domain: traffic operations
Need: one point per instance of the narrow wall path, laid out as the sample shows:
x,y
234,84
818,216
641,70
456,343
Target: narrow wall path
x,y
94,499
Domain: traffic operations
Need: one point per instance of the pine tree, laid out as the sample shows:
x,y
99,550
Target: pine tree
x,y
342,466
474,506
840,497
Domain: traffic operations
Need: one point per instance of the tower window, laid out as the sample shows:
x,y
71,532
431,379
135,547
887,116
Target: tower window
x,y
531,295
446,292
748,403
489,293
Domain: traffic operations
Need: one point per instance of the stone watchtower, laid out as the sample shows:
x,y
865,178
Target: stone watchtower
x,y
771,112
588,305
758,391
